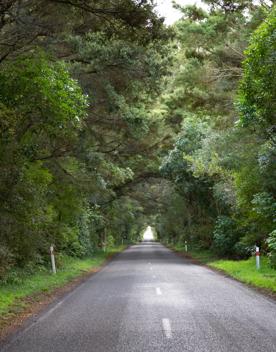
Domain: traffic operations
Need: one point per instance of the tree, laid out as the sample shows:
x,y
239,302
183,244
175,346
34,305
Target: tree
x,y
217,165
76,122
41,119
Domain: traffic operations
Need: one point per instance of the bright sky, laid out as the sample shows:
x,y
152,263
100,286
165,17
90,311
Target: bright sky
x,y
148,234
165,9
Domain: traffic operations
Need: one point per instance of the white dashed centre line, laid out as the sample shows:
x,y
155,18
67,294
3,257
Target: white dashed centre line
x,y
158,291
167,328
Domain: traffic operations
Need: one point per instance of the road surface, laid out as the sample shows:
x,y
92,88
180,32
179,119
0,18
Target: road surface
x,y
149,299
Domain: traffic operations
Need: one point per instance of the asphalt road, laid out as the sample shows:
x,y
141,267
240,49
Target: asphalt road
x,y
149,299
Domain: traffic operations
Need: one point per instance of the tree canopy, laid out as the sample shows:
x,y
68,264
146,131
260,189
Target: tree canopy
x,y
220,102
110,121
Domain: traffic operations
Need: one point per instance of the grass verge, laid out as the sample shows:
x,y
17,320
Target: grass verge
x,y
14,296
242,270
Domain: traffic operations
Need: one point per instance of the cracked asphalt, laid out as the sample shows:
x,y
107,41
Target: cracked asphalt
x,y
149,299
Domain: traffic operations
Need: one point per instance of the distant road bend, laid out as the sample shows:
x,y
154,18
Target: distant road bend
x,y
149,299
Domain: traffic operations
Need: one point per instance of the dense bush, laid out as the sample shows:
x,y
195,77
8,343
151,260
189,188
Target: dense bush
x,y
220,102
226,240
49,107
6,261
258,88
272,248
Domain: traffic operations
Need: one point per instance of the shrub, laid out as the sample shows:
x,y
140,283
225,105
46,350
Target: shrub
x,y
271,241
110,241
6,261
226,241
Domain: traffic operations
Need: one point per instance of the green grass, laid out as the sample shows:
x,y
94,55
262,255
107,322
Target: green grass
x,y
204,256
243,270
24,285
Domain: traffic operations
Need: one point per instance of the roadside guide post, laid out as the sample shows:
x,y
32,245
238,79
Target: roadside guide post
x,y
186,246
53,259
258,264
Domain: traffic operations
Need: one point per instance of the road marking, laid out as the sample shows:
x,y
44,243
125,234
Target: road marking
x,y
154,277
151,268
50,311
167,328
158,291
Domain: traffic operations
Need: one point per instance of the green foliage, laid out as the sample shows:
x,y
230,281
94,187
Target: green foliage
x,y
76,125
222,166
258,87
272,248
49,107
226,239
42,94
6,261
95,143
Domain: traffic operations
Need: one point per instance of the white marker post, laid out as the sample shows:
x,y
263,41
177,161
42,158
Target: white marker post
x,y
186,246
258,264
53,259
